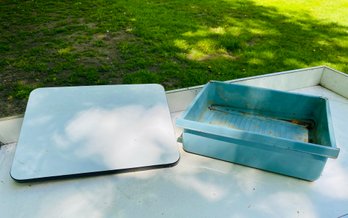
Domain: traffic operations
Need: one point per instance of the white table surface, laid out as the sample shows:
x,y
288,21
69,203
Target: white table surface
x,y
195,187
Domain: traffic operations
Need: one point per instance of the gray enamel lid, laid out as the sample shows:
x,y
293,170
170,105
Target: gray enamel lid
x,y
71,131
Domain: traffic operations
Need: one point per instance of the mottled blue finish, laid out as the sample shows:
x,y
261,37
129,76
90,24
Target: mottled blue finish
x,y
272,130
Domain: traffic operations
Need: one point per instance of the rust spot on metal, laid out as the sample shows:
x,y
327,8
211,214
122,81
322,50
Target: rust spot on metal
x,y
307,124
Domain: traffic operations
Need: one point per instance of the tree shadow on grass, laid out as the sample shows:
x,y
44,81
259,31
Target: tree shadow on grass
x,y
176,43
253,38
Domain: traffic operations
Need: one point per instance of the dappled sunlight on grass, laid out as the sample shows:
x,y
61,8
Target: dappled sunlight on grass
x,y
64,51
329,11
254,37
206,44
218,30
294,62
267,54
205,49
175,43
255,61
182,44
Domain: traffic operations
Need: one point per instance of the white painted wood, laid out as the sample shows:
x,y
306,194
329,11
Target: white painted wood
x,y
288,80
335,81
196,187
178,100
9,129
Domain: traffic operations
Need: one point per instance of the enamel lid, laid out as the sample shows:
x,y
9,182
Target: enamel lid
x,y
69,131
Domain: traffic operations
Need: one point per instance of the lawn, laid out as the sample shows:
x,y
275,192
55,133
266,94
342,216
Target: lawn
x,y
173,42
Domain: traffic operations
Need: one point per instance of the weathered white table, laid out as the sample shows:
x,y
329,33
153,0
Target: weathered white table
x,y
196,186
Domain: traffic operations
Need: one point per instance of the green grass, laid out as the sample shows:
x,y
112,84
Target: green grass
x,y
176,43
